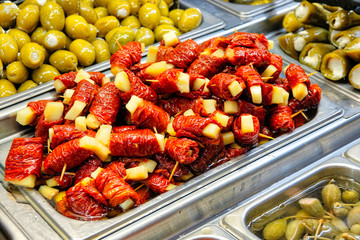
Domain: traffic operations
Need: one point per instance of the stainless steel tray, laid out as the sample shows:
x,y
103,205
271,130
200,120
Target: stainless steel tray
x,y
209,24
277,201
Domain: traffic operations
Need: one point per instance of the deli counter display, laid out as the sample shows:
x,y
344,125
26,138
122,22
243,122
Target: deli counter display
x,y
222,132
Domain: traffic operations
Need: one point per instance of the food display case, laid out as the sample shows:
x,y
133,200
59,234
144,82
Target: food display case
x,y
220,203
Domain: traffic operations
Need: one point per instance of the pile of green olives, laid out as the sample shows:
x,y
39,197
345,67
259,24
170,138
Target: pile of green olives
x,y
40,39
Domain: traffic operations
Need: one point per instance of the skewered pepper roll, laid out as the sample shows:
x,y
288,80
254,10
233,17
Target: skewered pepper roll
x,y
312,14
207,65
157,183
85,170
61,181
290,23
226,86
43,125
175,105
31,113
23,162
312,100
247,107
354,76
245,56
343,19
343,38
313,54
253,82
315,34
183,54
335,65
249,40
353,49
298,80
70,79
280,119
183,150
246,129
126,56
59,134
273,70
172,81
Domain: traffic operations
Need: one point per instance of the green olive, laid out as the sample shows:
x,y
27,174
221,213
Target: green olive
x,y
162,29
8,48
156,2
145,35
134,6
32,55
26,85
84,51
28,18
68,42
164,9
190,19
64,61
7,88
90,3
88,13
92,33
149,16
19,36
38,3
350,196
16,72
101,12
54,40
132,22
102,51
45,73
122,37
105,24
52,16
111,32
166,20
8,14
119,8
175,15
101,3
69,6
275,229
38,34
77,27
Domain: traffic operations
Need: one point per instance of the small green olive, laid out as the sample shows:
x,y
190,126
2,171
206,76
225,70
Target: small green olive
x,y
175,15
54,40
145,35
32,55
8,13
166,20
7,88
64,61
44,73
101,12
8,48
149,16
28,18
190,19
84,52
69,6
101,3
134,6
330,194
111,32
119,8
132,22
76,27
164,9
122,36
92,33
88,13
102,51
27,85
350,196
19,36
38,34
16,72
275,229
105,24
52,16
162,29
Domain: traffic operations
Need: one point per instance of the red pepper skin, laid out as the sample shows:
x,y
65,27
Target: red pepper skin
x,y
157,183
118,167
106,104
249,75
280,120
295,75
216,42
148,115
140,71
126,56
65,182
84,201
86,168
162,52
65,133
207,65
166,164
312,100
234,152
69,153
42,127
247,107
97,77
24,158
166,83
183,54
114,188
119,129
192,124
219,85
267,93
135,143
139,89
38,107
175,105
84,92
68,79
250,138
144,194
183,150
249,40
245,56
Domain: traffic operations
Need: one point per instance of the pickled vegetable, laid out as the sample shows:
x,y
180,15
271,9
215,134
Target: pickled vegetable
x,y
313,54
353,49
335,66
290,22
8,48
32,55
52,16
190,19
316,34
312,206
149,16
84,52
45,73
286,43
343,38
7,88
354,76
353,216
16,72
26,85
28,18
312,14
275,229
350,196
64,61
294,230
342,19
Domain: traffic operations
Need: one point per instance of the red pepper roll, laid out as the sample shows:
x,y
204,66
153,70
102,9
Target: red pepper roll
x,y
65,133
249,75
244,56
69,153
216,42
175,105
84,92
183,54
192,124
249,40
86,168
248,138
65,182
24,158
42,127
277,63
139,89
68,79
38,107
148,115
118,167
207,65
295,75
166,164
134,143
84,201
162,52
183,150
166,83
234,152
280,120
119,129
97,77
312,100
157,183
219,86
140,71
225,120
114,188
126,56
106,104
247,107
267,93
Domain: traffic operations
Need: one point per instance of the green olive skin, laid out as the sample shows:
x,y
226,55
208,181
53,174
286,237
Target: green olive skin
x,y
54,40
26,85
84,51
101,3
89,3
102,51
76,27
88,13
38,34
45,73
7,88
166,20
8,48
132,22
162,29
101,12
119,8
164,9
149,16
28,18
190,19
175,15
38,3
8,13
105,24
52,16
92,33
155,2
69,6
145,35
111,32
19,36
32,55
134,7
64,61
16,72
122,36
